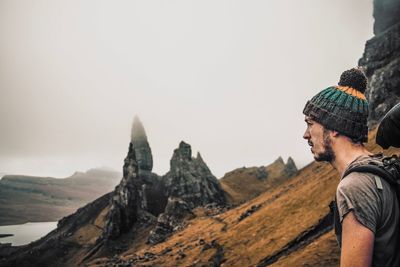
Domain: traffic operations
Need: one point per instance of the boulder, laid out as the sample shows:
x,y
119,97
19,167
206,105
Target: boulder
x,y
171,220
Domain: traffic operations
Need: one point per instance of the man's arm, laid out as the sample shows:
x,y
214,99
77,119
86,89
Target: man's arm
x,y
357,243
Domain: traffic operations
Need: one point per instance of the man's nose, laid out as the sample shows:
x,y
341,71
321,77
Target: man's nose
x,y
306,135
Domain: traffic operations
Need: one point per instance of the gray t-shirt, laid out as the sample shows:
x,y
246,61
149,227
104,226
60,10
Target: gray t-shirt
x,y
375,206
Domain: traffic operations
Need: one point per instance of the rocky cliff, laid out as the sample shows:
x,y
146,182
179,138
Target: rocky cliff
x,y
381,60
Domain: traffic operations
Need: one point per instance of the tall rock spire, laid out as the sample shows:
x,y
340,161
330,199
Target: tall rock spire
x,y
129,202
141,146
126,200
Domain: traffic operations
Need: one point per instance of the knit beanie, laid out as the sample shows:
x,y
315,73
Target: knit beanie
x,y
343,108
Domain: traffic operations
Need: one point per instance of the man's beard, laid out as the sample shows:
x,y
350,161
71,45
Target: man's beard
x,y
328,154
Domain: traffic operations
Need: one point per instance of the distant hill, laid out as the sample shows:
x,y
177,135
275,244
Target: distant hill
x,y
32,199
244,183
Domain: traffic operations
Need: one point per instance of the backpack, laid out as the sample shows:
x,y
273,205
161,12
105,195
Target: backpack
x,y
389,171
388,134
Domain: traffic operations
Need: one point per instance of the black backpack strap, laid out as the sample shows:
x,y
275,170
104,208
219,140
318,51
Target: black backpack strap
x,y
374,169
336,221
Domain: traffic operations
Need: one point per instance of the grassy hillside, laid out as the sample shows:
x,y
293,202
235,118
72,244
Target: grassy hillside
x,y
245,183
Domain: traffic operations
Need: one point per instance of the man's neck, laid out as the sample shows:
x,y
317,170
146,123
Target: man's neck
x,y
345,154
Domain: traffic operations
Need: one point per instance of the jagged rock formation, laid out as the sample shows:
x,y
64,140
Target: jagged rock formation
x,y
381,60
152,196
191,180
290,167
142,195
188,184
128,202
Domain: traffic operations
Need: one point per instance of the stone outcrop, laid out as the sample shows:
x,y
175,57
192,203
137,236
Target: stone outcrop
x,y
188,184
381,60
127,200
151,191
140,195
191,180
290,168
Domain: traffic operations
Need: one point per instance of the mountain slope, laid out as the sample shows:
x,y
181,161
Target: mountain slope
x,y
245,183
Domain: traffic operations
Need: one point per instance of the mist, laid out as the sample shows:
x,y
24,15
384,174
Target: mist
x,y
230,78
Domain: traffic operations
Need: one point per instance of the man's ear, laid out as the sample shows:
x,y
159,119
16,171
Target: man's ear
x,y
334,133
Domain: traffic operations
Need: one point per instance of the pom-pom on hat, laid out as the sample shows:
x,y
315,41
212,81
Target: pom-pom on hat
x,y
343,107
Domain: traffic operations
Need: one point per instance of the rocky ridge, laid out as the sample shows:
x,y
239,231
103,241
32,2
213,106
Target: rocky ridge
x,y
381,60
143,196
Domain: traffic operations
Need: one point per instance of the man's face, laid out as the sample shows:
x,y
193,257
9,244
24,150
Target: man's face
x,y
319,139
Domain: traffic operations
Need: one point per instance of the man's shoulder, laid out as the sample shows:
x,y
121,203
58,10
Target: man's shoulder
x,y
358,181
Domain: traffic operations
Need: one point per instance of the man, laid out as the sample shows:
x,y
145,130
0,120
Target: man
x,y
368,224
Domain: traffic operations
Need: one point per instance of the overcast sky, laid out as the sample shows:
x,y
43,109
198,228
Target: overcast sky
x,y
228,77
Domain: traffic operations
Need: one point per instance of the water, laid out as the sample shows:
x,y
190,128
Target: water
x,y
26,233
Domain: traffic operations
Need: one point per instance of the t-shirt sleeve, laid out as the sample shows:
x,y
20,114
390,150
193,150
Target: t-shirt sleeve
x,y
357,192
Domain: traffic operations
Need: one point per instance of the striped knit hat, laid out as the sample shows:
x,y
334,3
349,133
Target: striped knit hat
x,y
343,108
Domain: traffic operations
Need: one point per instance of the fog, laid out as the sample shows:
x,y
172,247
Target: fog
x,y
230,78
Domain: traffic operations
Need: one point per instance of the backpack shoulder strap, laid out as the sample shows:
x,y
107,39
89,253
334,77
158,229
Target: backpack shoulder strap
x,y
374,169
